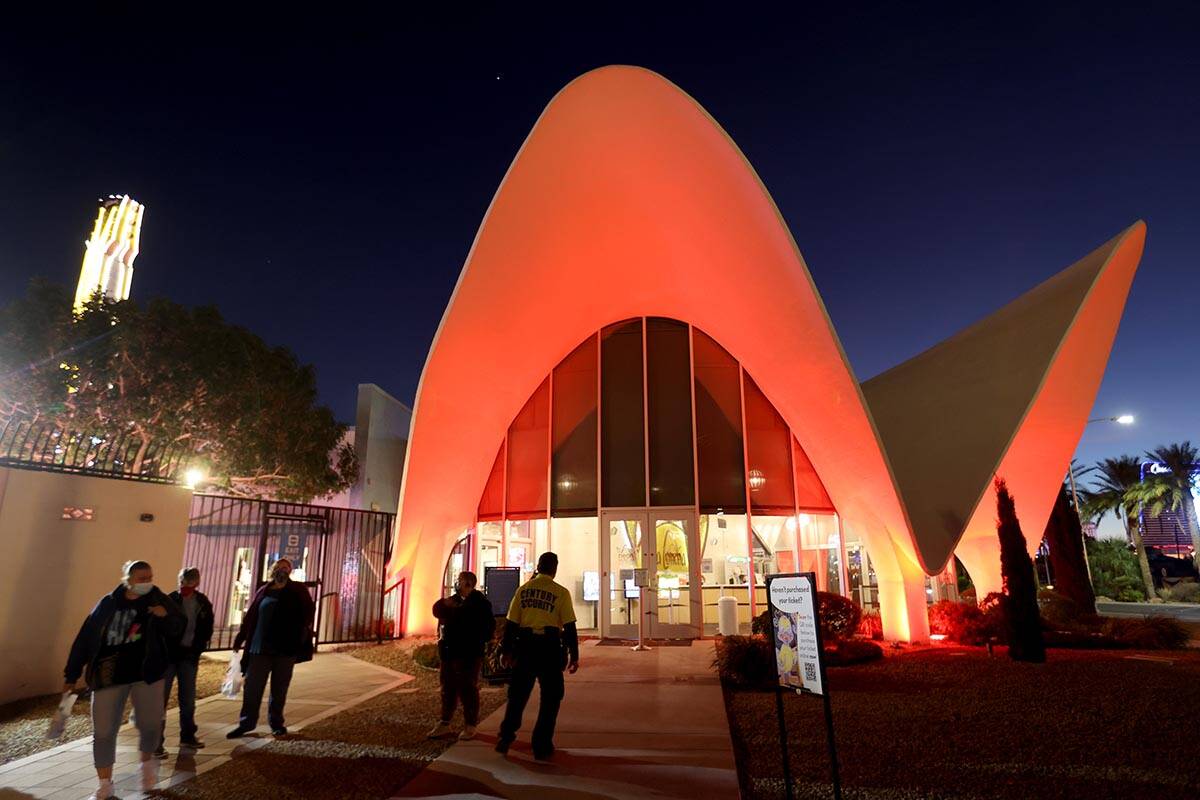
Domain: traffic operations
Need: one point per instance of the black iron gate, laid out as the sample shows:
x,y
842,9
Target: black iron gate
x,y
341,554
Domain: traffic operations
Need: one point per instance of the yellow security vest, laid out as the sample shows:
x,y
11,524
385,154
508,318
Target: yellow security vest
x,y
541,603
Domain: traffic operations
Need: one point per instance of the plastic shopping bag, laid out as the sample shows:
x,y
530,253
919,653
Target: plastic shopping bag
x,y
233,678
61,714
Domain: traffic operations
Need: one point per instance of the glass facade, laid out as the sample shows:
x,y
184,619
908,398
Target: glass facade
x,y
648,451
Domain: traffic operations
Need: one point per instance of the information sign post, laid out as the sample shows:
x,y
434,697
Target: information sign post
x,y
641,579
799,659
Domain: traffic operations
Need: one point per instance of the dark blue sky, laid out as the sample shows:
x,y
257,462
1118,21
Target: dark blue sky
x,y
320,181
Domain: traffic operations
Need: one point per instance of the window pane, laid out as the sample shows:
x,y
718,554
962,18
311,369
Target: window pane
x,y
669,402
774,544
491,504
769,455
718,427
725,566
574,480
810,492
624,554
526,541
576,540
622,454
820,551
529,456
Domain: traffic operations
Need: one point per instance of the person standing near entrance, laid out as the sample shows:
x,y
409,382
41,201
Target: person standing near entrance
x,y
185,657
122,650
467,625
277,632
540,639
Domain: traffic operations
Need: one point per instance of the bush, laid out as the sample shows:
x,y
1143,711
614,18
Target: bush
x,y
1059,611
1115,570
426,655
964,623
747,661
852,651
1183,592
871,625
1151,633
840,617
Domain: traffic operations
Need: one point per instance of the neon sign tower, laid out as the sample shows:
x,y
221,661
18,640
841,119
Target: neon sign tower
x,y
109,254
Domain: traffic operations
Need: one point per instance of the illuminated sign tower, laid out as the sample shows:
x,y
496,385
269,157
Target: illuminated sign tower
x,y
109,253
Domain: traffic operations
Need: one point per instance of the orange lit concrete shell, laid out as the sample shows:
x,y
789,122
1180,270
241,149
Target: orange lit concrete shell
x,y
627,199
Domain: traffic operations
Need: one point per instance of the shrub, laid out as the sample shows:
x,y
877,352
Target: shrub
x,y
747,661
840,617
871,625
964,623
1151,633
1115,570
852,651
426,655
1183,592
1058,610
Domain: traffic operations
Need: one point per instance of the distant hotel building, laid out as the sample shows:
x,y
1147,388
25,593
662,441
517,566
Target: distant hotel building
x,y
109,253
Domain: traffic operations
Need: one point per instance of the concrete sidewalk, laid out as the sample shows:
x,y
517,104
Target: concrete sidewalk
x,y
328,684
632,725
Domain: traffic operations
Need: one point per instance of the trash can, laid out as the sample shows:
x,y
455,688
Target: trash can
x,y
727,613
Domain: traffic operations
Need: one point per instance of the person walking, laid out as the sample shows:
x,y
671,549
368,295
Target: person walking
x,y
185,658
466,624
122,651
540,639
277,633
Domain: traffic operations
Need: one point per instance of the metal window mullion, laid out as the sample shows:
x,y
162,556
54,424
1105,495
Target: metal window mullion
x,y
746,485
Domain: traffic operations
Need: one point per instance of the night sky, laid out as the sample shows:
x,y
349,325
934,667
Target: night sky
x,y
321,180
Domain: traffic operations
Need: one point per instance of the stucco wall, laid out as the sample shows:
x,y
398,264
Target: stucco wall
x,y
53,570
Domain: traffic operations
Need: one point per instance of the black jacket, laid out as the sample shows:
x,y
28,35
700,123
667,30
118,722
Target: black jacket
x,y
291,623
160,633
466,625
202,636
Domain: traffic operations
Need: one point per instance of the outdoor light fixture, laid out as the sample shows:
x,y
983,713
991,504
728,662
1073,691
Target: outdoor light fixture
x,y
1124,419
192,477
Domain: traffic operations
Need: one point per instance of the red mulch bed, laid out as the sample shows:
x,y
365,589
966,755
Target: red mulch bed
x,y
952,722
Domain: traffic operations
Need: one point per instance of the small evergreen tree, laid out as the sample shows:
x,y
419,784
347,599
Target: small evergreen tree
x,y
1021,615
1064,537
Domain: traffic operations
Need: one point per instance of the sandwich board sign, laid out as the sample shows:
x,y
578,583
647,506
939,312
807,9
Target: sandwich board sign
x,y
799,662
796,633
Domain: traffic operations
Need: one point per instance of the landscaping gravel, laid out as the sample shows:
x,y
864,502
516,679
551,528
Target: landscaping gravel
x,y
23,723
364,753
954,723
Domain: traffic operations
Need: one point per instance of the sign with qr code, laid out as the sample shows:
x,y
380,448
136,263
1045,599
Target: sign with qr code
x,y
796,631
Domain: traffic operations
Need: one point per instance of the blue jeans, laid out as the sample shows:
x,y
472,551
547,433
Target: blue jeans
x,y
258,667
185,670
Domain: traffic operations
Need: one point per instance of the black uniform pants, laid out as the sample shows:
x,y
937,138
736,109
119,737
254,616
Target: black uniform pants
x,y
540,659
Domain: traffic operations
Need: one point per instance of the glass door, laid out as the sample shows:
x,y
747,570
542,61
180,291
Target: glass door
x,y
663,542
674,600
623,550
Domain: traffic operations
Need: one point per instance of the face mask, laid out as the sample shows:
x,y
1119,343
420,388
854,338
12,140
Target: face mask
x,y
187,591
140,589
280,575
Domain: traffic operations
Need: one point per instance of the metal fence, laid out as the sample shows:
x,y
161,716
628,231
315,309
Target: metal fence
x,y
43,445
341,554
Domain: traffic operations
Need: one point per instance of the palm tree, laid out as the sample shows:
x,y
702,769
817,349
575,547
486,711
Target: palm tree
x,y
1180,461
1115,486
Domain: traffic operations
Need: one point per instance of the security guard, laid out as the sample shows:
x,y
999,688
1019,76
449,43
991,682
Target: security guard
x,y
539,641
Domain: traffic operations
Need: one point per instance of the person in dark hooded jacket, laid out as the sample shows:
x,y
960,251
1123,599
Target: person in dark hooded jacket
x,y
123,650
466,624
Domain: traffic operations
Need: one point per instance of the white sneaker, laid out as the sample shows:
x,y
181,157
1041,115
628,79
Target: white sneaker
x,y
467,734
103,792
440,730
149,774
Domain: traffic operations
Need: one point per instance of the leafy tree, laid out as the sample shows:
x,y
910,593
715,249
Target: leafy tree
x,y
165,373
1021,615
1115,572
1064,537
1180,460
1116,488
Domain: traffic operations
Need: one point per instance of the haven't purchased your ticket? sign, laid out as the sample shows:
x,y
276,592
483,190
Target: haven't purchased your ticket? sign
x,y
794,624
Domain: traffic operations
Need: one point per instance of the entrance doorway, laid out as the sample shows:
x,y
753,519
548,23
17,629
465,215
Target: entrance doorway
x,y
662,541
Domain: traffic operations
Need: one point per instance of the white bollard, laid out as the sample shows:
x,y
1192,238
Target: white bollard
x,y
727,615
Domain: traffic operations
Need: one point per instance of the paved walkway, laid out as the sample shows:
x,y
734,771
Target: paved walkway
x,y
330,683
633,725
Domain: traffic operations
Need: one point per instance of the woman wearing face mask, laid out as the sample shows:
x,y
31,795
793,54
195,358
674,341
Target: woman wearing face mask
x,y
277,632
122,651
185,657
